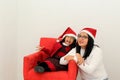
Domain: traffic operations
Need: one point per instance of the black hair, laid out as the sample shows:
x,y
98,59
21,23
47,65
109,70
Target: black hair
x,y
72,45
88,49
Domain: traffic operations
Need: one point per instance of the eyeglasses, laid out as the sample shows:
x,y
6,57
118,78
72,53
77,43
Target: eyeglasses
x,y
84,37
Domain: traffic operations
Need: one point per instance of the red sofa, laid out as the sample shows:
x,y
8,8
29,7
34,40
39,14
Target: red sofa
x,y
31,60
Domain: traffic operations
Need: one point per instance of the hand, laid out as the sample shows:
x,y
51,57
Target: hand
x,y
79,58
39,48
69,57
80,61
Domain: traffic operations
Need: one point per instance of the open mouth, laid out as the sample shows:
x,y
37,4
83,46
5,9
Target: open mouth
x,y
68,41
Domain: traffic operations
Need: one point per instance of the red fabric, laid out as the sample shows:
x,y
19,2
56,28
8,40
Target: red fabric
x,y
48,43
50,65
60,54
56,47
91,31
68,32
30,61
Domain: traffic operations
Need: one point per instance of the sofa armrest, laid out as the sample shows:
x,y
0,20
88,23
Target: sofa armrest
x,y
30,61
72,70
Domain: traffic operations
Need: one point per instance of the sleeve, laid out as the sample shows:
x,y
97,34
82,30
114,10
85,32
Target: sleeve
x,y
71,52
47,51
93,61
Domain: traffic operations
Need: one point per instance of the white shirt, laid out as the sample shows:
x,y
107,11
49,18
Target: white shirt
x,y
93,68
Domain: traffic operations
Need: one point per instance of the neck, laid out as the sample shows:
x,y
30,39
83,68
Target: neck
x,y
83,47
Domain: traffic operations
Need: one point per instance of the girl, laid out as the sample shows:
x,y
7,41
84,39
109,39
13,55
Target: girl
x,y
60,49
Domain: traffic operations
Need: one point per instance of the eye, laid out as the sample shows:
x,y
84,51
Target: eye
x,y
84,37
79,35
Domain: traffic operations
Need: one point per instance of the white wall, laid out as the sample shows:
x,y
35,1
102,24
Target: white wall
x,y
37,18
8,40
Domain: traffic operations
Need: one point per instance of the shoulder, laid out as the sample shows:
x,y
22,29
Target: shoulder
x,y
96,49
97,52
57,43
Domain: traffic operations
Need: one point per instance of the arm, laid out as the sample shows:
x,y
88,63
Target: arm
x,y
43,48
72,53
80,59
93,61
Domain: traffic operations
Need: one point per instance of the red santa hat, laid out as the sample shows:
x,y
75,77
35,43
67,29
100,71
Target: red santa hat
x,y
90,31
68,32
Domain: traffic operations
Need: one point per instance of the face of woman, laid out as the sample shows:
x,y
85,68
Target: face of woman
x,y
82,39
69,40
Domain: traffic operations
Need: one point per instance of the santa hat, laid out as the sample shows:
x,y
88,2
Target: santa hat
x,y
90,31
68,32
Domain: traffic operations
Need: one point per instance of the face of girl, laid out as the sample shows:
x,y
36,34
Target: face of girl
x,y
82,39
69,40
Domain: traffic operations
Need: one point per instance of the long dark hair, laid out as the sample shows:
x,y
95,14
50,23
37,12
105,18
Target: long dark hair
x,y
88,49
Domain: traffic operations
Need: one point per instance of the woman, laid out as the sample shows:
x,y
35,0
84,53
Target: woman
x,y
88,56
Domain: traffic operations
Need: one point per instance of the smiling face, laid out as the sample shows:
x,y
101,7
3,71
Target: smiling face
x,y
82,39
69,40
